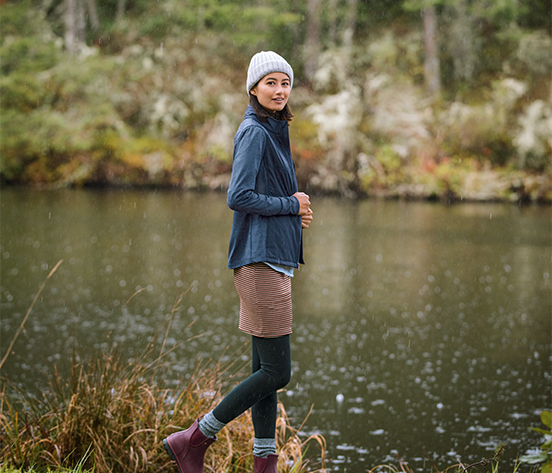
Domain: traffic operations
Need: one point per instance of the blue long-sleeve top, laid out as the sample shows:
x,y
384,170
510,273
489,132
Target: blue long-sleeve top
x,y
266,225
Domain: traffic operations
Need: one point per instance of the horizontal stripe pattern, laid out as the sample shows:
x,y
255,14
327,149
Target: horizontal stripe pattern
x,y
265,301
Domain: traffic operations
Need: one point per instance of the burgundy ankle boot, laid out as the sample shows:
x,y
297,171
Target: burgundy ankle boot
x,y
187,448
265,465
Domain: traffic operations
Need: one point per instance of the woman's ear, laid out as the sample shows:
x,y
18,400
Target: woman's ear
x,y
253,91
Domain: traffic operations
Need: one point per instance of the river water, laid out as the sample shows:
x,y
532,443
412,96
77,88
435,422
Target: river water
x,y
420,330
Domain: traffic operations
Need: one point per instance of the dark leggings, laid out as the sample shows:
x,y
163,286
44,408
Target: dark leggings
x,y
271,363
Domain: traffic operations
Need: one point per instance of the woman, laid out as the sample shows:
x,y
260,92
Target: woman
x,y
265,248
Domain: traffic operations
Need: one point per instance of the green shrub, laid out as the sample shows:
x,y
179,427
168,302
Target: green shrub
x,y
544,458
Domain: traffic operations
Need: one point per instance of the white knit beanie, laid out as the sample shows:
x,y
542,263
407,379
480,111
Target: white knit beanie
x,y
264,63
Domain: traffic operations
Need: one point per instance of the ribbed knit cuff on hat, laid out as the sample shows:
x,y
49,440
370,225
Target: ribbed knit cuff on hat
x,y
264,63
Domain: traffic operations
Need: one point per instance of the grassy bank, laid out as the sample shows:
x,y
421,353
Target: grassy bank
x,y
109,415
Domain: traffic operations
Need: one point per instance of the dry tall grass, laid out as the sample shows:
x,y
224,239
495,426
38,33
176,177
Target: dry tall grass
x,y
112,416
109,415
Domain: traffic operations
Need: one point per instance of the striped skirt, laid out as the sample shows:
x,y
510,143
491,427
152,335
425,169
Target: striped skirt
x,y
265,301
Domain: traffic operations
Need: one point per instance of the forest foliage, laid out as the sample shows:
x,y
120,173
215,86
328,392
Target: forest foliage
x,y
416,98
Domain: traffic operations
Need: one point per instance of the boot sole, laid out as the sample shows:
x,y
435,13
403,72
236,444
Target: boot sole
x,y
170,453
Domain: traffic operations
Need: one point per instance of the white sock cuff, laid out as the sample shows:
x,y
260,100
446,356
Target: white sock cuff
x,y
263,447
210,425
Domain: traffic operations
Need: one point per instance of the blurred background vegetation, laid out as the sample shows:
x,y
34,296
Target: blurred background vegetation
x,y
444,99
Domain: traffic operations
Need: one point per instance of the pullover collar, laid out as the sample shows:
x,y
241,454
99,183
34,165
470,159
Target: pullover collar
x,y
272,125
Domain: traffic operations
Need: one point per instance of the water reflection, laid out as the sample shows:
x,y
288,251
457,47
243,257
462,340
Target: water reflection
x,y
418,328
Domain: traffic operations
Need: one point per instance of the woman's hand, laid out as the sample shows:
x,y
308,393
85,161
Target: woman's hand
x,y
304,208
306,219
304,203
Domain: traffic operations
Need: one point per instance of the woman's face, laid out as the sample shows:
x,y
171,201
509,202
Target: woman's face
x,y
272,91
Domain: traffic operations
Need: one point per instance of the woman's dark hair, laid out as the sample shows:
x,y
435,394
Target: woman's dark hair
x,y
263,113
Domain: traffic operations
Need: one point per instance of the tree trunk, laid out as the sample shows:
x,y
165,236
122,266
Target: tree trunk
x,y
462,44
432,69
93,14
312,43
80,17
70,26
332,21
121,7
349,34
350,22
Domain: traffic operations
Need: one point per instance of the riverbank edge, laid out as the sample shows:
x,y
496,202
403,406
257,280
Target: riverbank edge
x,y
447,181
518,193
